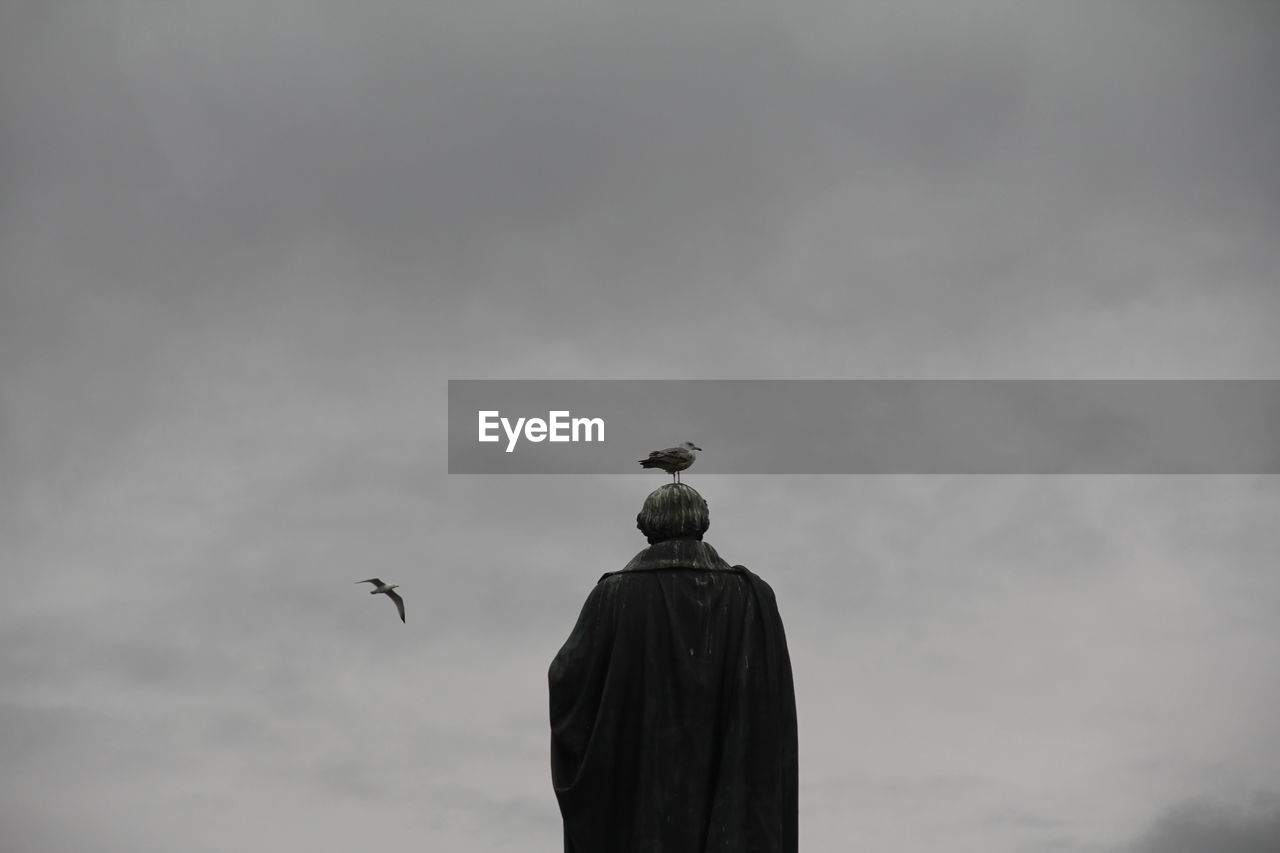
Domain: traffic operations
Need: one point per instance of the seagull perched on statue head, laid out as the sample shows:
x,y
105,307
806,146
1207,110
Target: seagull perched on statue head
x,y
387,589
673,460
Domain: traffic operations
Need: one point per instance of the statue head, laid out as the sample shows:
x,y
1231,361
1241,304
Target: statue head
x,y
673,511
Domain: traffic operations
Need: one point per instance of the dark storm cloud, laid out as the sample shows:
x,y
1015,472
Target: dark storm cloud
x,y
428,132
1200,827
925,175
424,129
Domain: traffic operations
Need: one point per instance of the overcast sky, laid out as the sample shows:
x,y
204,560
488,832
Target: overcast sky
x,y
244,245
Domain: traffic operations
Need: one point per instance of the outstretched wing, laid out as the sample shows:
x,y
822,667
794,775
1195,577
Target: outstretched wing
x,y
378,581
391,594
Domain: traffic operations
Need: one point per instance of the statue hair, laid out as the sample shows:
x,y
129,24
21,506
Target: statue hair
x,y
673,511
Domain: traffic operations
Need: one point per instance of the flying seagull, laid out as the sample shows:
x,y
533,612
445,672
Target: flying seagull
x,y
673,460
390,590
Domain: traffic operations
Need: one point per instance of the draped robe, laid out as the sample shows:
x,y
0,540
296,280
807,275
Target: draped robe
x,y
673,718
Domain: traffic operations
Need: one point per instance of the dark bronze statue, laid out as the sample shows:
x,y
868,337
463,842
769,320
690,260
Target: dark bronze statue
x,y
673,718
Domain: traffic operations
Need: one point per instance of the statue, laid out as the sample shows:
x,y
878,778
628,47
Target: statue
x,y
673,718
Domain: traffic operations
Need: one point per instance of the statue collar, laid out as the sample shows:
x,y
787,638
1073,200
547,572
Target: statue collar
x,y
678,554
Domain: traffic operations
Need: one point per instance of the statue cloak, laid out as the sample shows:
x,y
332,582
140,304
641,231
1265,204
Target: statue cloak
x,y
673,718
